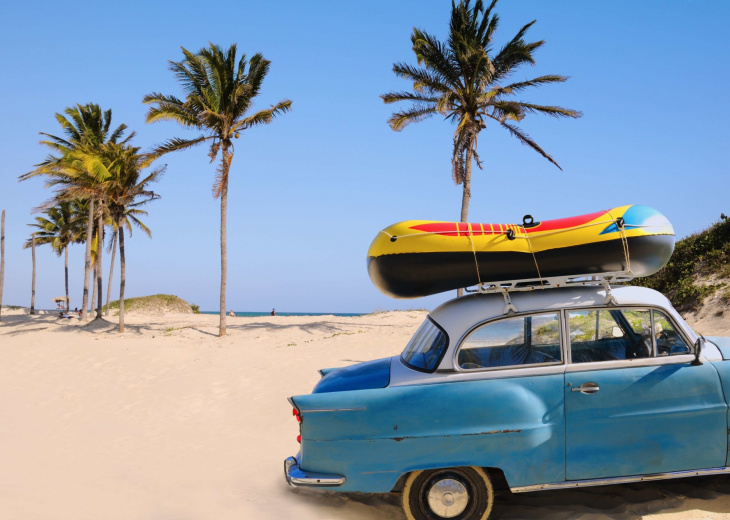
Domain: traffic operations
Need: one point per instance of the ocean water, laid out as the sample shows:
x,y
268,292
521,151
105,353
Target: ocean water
x,y
260,314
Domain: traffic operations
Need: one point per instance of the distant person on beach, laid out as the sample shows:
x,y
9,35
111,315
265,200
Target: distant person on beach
x,y
273,312
232,313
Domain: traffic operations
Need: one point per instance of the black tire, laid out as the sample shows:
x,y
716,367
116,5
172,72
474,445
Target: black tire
x,y
470,482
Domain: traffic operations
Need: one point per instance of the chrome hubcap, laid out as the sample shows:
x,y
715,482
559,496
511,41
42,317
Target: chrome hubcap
x,y
448,498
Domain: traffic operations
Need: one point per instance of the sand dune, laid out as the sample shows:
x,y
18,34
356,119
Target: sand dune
x,y
167,421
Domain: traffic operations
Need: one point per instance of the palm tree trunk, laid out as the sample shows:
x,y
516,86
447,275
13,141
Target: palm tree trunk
x,y
87,259
466,195
93,290
122,276
68,301
99,255
32,290
226,158
2,261
111,273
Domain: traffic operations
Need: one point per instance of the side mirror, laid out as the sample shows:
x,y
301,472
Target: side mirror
x,y
698,350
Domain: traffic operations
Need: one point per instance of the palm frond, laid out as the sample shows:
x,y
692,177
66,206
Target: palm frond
x,y
264,117
535,82
399,120
552,111
175,144
424,80
527,140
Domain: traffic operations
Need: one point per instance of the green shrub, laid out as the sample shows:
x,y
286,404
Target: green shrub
x,y
700,254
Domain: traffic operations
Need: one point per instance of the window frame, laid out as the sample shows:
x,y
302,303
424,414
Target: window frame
x,y
441,356
651,308
561,340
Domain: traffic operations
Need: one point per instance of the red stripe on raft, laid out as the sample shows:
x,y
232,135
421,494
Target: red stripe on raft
x,y
454,229
565,223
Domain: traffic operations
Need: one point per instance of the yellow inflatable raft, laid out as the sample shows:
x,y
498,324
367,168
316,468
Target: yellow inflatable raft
x,y
421,257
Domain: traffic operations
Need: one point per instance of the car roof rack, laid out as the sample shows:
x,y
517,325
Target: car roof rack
x,y
505,287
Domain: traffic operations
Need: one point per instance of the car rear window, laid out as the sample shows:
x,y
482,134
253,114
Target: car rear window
x,y
426,348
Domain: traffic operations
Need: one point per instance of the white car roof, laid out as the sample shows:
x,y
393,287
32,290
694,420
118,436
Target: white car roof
x,y
460,315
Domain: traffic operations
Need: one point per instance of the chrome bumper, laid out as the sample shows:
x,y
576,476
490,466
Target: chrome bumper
x,y
296,477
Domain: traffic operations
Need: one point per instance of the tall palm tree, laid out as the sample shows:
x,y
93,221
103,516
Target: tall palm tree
x,y
61,227
32,290
125,192
465,81
74,160
2,260
218,94
131,216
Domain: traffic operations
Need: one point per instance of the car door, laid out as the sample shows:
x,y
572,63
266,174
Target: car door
x,y
630,411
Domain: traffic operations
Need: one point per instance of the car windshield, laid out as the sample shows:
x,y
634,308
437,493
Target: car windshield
x,y
426,347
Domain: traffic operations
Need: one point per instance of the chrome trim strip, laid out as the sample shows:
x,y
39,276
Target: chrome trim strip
x,y
621,480
679,359
296,477
334,410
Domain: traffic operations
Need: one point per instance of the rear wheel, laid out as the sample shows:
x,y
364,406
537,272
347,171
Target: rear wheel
x,y
453,493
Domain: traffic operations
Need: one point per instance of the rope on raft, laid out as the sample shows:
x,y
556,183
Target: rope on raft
x,y
476,262
393,238
620,225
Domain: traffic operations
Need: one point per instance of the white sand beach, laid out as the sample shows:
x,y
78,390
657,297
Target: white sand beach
x,y
167,421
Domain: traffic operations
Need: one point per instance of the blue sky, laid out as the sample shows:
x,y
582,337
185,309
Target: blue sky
x,y
310,191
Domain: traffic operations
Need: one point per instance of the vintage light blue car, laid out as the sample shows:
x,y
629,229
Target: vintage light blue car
x,y
571,387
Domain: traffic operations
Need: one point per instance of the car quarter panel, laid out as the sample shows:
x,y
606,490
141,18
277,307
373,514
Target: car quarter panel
x,y
723,369
372,437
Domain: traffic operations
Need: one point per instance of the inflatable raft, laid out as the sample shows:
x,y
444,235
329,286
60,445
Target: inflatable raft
x,y
420,257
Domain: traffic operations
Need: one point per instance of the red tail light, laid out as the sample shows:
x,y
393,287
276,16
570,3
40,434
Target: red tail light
x,y
298,417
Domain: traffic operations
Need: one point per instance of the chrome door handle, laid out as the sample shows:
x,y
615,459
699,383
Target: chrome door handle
x,y
586,388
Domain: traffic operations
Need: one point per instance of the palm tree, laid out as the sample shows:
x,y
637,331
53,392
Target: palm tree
x,y
74,161
61,227
125,192
218,94
2,260
32,290
463,80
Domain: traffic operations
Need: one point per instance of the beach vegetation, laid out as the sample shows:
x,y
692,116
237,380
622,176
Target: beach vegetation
x,y
59,227
98,171
75,167
155,304
698,268
468,82
126,190
195,308
219,92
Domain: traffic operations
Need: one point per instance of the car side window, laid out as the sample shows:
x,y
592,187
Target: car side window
x,y
426,347
668,341
609,335
522,340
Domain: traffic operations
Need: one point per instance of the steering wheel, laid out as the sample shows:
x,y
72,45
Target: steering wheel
x,y
663,341
642,347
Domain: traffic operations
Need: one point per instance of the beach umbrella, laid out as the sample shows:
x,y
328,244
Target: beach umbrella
x,y
59,301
